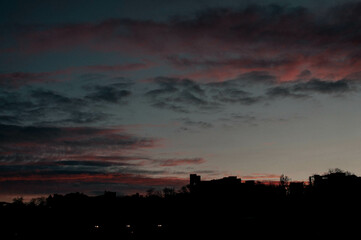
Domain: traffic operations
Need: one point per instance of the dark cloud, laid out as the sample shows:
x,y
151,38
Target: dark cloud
x,y
214,44
277,39
48,103
17,79
63,141
47,107
254,77
174,83
86,158
109,94
80,117
46,97
189,97
112,93
13,107
69,155
86,150
184,95
180,95
239,90
189,124
244,63
320,86
44,106
171,106
306,89
9,119
282,92
236,96
252,88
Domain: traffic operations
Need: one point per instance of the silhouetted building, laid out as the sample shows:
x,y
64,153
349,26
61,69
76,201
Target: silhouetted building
x,y
315,180
227,180
194,179
296,188
334,179
329,203
110,195
217,187
250,182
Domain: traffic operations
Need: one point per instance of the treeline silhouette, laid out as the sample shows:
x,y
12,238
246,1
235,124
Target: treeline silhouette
x,y
228,208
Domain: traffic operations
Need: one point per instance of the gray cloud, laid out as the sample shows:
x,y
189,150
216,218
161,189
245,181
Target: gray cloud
x,y
321,86
41,106
306,89
189,124
62,140
180,95
184,95
253,88
282,92
247,79
113,93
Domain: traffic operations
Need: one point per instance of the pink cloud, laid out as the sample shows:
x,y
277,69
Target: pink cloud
x,y
124,178
117,68
221,44
37,156
27,145
39,184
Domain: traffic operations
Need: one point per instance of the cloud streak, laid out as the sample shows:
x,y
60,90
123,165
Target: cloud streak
x,y
18,79
285,41
39,145
83,155
99,178
179,162
189,96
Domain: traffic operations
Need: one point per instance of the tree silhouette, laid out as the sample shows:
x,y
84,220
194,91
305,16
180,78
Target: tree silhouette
x,y
218,208
284,180
18,201
168,192
338,170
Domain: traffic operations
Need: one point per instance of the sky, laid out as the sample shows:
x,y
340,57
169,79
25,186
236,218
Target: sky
x,y
126,96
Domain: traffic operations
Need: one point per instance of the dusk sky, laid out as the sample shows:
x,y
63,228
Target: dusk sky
x,y
129,95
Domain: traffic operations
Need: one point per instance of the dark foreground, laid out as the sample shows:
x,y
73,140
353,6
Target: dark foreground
x,y
328,207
